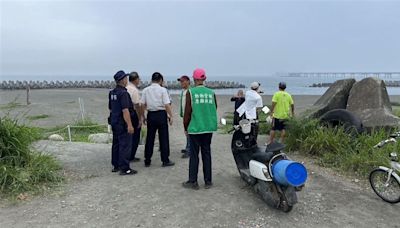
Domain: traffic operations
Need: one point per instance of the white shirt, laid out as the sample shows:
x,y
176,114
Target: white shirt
x,y
252,101
155,97
134,92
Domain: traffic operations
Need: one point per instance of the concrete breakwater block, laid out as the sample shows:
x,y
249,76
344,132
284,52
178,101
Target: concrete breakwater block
x,y
334,98
100,138
56,137
369,100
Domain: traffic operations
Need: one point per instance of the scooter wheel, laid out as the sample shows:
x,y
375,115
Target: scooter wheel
x,y
285,207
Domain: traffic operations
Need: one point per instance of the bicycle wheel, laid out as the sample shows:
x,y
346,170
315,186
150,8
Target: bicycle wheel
x,y
389,192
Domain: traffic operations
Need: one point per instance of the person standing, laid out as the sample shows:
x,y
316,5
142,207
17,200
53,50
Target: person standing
x,y
200,121
282,109
121,110
132,87
185,84
156,102
238,99
252,104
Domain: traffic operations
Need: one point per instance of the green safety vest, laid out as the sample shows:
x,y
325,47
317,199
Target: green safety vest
x,y
204,111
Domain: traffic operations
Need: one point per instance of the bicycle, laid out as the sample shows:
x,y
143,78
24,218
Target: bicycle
x,y
386,181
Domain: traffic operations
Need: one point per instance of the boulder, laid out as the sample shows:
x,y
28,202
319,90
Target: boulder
x,y
56,137
369,101
334,98
100,138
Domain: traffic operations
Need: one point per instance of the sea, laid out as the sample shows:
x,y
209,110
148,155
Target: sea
x,y
269,84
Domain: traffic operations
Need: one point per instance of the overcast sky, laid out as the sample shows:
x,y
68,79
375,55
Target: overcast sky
x,y
225,37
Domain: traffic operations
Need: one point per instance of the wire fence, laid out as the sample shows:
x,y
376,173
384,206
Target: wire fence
x,y
69,127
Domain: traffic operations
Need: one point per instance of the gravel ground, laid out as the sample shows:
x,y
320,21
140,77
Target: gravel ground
x,y
95,197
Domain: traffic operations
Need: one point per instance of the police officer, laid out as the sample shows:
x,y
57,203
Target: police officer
x,y
121,111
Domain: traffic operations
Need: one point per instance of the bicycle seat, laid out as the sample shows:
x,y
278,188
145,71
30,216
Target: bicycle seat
x,y
262,156
275,147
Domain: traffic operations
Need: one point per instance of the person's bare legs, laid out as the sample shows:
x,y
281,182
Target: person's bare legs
x,y
283,132
271,137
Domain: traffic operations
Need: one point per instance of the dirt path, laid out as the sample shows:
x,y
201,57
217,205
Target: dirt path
x,y
95,197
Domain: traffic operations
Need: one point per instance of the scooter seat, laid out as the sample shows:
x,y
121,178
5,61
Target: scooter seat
x,y
262,156
275,147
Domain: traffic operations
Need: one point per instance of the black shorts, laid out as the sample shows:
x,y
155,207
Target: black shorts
x,y
278,124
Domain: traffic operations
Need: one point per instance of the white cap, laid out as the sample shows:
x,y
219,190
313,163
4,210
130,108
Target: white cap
x,y
255,85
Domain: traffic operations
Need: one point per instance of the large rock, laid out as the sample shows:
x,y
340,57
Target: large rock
x,y
334,98
100,138
56,137
369,101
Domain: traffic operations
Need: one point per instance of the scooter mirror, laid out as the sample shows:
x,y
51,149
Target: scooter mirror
x,y
265,109
223,121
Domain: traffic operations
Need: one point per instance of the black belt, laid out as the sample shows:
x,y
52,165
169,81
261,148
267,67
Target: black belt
x,y
156,111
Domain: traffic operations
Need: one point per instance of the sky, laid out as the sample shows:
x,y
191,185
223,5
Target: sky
x,y
226,38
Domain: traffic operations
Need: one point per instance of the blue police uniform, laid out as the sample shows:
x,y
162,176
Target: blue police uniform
x,y
119,99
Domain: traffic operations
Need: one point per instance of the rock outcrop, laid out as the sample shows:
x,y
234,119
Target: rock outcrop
x,y
100,138
370,101
334,98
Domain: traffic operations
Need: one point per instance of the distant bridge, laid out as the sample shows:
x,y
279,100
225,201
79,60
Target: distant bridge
x,y
385,75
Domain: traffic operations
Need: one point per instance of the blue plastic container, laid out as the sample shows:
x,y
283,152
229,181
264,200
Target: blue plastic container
x,y
288,172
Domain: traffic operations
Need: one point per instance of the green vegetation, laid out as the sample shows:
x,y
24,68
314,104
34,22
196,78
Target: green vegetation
x,y
332,147
79,133
11,105
336,149
396,110
38,117
21,169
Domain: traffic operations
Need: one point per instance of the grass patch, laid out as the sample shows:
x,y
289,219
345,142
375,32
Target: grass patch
x,y
79,132
23,170
396,110
38,117
11,105
336,149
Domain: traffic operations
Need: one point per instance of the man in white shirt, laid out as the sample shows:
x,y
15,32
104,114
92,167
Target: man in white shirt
x,y
132,87
156,102
253,101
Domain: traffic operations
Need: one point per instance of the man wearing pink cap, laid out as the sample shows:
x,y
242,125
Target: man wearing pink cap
x,y
200,121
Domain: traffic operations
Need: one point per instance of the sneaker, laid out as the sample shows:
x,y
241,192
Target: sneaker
x,y
192,185
208,185
115,169
128,172
166,164
147,164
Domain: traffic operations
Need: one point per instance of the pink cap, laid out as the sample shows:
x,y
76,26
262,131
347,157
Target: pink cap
x,y
199,74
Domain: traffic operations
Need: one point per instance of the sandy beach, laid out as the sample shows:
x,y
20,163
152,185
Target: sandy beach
x,y
62,105
95,197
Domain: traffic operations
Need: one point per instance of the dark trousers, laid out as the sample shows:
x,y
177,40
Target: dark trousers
x,y
121,147
135,142
200,142
157,121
